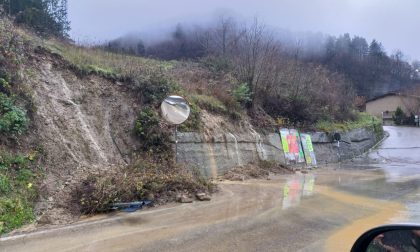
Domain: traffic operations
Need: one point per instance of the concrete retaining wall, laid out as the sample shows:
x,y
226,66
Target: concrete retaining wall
x,y
224,151
327,151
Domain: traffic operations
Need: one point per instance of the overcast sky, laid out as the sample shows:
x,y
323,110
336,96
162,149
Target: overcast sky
x,y
396,23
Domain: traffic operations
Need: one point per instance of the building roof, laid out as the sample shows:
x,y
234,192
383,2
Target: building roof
x,y
392,94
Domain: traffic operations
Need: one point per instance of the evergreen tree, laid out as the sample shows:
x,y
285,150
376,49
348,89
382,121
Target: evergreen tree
x,y
399,116
47,17
376,50
359,48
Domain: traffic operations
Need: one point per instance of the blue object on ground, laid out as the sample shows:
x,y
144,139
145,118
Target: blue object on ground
x,y
130,206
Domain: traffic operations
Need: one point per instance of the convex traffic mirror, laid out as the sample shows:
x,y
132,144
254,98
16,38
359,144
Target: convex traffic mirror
x,y
175,109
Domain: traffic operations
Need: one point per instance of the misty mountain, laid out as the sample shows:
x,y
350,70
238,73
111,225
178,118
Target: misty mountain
x,y
365,64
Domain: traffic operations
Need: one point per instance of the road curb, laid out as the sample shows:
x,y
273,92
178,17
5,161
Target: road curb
x,y
386,135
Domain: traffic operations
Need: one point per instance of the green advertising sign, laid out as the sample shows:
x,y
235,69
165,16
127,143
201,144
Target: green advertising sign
x,y
283,134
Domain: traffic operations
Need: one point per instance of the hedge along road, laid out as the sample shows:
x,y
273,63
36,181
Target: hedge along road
x,y
323,210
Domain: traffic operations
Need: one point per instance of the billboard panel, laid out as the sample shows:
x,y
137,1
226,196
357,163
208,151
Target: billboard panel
x,y
308,149
297,147
284,135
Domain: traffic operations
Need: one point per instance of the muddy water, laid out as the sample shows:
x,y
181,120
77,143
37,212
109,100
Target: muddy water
x,y
287,213
382,212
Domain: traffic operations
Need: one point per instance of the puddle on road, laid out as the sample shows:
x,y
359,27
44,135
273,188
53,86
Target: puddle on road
x,y
301,186
411,214
297,187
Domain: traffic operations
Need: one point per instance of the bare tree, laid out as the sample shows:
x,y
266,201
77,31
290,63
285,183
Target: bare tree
x,y
221,39
254,57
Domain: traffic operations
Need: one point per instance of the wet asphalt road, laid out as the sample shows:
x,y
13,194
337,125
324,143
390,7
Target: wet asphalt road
x,y
399,158
399,155
320,211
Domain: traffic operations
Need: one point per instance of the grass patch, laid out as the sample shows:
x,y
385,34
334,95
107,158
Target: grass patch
x,y
214,105
209,103
93,69
363,121
149,78
18,191
96,60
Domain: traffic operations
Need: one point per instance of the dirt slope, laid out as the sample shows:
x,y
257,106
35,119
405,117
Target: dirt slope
x,y
83,124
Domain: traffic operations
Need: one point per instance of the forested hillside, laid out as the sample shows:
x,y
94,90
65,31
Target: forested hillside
x,y
265,79
370,70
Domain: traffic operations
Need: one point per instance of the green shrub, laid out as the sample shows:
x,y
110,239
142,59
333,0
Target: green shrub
x,y
243,94
363,120
24,175
399,117
4,86
153,88
13,120
6,103
152,136
5,186
193,123
14,212
410,120
8,161
147,120
18,191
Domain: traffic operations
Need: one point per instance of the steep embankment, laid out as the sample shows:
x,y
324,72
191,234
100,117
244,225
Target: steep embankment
x,y
80,142
85,126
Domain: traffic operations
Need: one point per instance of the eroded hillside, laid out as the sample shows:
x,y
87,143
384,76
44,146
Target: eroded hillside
x,y
85,126
80,142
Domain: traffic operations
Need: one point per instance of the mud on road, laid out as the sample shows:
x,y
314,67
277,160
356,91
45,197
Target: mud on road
x,y
287,213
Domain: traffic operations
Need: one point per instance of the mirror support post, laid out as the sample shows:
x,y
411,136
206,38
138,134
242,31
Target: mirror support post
x,y
175,110
176,143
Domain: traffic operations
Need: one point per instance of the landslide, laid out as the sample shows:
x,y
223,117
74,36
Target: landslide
x,y
83,141
85,126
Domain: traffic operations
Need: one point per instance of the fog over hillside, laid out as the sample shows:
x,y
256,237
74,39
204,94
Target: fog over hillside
x,y
391,22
